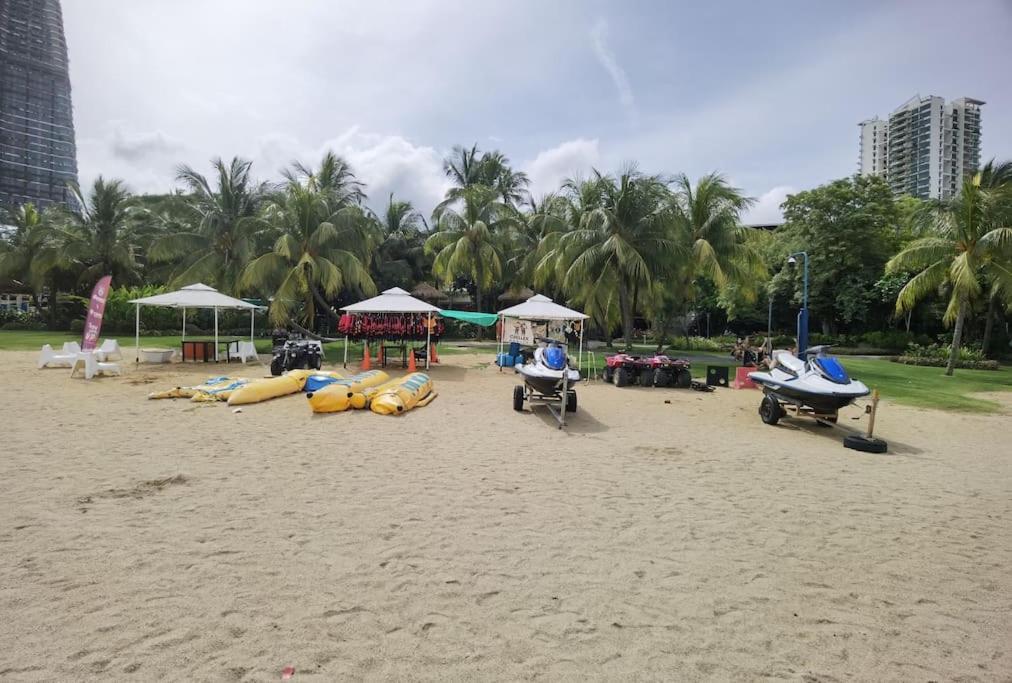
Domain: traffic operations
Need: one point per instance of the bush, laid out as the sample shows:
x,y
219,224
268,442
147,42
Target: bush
x,y
941,363
20,320
77,326
938,352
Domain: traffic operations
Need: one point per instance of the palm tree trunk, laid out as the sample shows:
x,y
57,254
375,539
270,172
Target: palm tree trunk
x,y
957,338
322,303
625,309
985,346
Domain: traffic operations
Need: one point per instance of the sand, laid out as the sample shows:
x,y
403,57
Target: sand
x,y
650,540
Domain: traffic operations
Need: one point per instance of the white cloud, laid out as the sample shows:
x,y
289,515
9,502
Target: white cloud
x,y
146,160
551,166
598,39
766,210
392,163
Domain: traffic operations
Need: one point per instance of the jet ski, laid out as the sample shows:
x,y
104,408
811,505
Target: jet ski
x,y
547,379
818,385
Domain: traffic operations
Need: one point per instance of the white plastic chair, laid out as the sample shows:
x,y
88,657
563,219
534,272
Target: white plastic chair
x,y
109,350
245,351
88,361
57,360
71,347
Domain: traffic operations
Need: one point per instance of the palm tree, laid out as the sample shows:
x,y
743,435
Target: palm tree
x,y
221,239
98,239
469,167
623,242
23,251
707,215
400,258
971,239
323,247
467,243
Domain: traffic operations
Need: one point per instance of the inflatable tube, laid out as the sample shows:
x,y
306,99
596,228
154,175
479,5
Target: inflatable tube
x,y
220,393
264,389
402,395
303,375
337,396
210,385
317,382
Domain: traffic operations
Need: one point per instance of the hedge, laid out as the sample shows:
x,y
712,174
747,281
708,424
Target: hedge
x,y
941,363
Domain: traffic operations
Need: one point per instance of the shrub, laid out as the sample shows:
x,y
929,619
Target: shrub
x,y
937,352
942,362
77,326
20,320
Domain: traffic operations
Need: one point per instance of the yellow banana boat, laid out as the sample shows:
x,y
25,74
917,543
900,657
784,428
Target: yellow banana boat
x,y
264,389
400,396
339,396
218,387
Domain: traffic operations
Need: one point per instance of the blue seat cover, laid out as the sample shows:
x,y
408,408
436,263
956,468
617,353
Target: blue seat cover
x,y
832,370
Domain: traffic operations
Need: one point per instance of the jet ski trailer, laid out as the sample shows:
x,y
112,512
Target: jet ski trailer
x,y
816,388
547,378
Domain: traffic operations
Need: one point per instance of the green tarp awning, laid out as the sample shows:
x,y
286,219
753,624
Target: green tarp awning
x,y
483,319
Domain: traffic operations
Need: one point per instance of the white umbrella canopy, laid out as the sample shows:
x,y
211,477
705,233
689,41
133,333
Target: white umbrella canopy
x,y
540,307
393,300
194,296
197,295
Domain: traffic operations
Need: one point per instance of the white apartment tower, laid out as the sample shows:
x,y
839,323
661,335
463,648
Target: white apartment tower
x,y
926,148
874,138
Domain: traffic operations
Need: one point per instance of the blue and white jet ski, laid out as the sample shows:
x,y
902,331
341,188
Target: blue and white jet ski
x,y
547,379
819,385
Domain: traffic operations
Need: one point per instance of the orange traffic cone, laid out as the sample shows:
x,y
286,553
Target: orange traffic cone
x,y
433,358
411,361
381,356
366,365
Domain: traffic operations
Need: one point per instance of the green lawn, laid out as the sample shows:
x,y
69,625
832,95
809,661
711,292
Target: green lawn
x,y
911,385
929,387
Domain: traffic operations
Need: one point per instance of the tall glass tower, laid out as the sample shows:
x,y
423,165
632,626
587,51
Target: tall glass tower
x,y
38,156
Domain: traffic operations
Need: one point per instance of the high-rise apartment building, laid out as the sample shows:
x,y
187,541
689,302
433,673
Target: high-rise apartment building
x,y
874,138
926,148
38,156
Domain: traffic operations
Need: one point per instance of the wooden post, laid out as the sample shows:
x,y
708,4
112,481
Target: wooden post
x,y
874,409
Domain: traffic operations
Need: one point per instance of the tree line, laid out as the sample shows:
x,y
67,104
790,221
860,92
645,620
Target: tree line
x,y
627,247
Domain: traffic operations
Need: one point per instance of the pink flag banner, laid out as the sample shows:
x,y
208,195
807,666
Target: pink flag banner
x,y
96,309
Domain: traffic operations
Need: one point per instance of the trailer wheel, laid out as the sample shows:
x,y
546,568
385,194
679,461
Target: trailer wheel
x,y
621,377
571,402
683,380
608,373
518,398
770,410
865,444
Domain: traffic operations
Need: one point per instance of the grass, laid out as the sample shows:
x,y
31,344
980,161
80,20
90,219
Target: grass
x,y
908,384
929,387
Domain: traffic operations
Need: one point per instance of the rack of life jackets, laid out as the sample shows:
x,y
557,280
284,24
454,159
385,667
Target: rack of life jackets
x,y
392,326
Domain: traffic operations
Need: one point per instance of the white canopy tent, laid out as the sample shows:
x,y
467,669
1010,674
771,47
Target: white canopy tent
x,y
394,300
540,307
194,296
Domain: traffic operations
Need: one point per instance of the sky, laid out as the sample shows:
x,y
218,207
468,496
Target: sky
x,y
768,94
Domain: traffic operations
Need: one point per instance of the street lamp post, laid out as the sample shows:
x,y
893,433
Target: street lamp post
x,y
803,313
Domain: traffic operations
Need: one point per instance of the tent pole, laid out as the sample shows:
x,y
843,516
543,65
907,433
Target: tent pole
x,y
137,334
216,335
428,342
580,361
345,350
184,323
252,312
502,330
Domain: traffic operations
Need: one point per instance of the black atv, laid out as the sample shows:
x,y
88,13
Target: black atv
x,y
293,353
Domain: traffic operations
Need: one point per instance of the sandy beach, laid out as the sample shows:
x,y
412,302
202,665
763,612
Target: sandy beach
x,y
665,535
